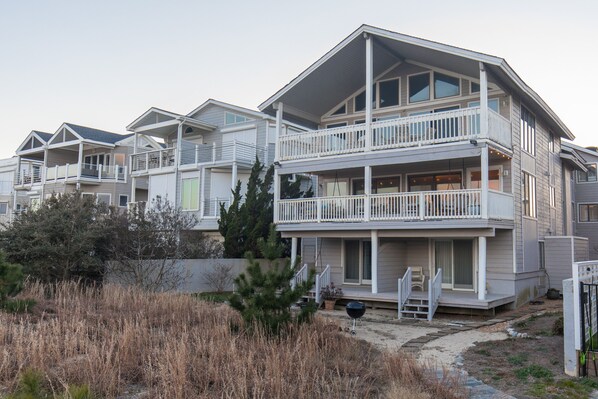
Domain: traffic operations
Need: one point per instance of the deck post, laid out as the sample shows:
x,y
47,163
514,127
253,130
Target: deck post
x,y
293,251
135,141
233,180
202,194
367,185
369,82
133,188
482,268
374,261
179,145
483,102
276,194
485,184
279,116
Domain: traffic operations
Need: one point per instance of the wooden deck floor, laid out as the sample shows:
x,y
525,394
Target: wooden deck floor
x,y
448,298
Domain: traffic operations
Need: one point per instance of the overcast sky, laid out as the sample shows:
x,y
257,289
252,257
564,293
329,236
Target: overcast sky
x,y
103,63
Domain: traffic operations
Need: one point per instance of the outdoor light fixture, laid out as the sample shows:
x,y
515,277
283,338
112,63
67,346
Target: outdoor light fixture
x,y
473,141
276,163
189,130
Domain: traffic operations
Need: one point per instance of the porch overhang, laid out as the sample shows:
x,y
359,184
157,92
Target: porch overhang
x,y
342,71
159,123
424,232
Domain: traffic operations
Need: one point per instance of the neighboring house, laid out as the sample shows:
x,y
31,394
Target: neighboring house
x,y
583,203
8,168
76,157
423,155
204,154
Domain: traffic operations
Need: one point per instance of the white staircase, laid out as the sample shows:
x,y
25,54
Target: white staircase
x,y
419,305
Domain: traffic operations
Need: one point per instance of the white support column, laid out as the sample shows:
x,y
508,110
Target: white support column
x,y
483,102
484,173
293,251
369,81
80,161
367,185
133,188
374,261
202,193
276,194
279,115
482,268
233,182
135,143
179,145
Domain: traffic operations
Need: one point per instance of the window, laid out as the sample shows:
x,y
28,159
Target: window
x,y
123,200
528,131
492,104
445,86
340,110
380,185
552,196
529,195
3,208
190,194
589,176
419,87
231,119
389,93
588,213
493,179
360,100
475,87
333,125
103,198
437,182
551,142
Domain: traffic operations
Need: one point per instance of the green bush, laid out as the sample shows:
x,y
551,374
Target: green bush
x,y
533,371
11,278
18,305
31,386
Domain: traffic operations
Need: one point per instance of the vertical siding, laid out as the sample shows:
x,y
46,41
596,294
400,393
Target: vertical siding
x,y
330,253
391,263
559,256
499,252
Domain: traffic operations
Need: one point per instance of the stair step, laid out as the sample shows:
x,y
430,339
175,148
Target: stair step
x,y
414,312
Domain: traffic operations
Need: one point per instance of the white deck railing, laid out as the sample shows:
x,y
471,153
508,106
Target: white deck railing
x,y
300,276
434,291
157,159
212,207
322,280
33,176
412,131
423,205
404,285
86,171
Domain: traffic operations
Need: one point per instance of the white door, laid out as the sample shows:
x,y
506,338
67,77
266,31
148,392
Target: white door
x,y
163,186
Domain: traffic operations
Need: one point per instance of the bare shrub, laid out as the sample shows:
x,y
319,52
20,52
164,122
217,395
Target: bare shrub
x,y
219,278
115,339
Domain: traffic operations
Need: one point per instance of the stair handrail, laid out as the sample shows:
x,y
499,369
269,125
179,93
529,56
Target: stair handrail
x,y
322,280
434,291
299,277
404,285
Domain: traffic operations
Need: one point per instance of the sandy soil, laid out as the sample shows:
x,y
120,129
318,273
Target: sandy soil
x,y
446,350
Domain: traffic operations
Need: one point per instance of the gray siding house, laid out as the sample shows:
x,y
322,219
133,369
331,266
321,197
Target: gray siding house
x,y
584,199
75,157
421,155
204,153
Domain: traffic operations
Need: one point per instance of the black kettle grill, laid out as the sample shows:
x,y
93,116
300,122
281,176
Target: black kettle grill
x,y
355,310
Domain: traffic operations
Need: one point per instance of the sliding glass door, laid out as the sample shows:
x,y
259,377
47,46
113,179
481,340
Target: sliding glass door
x,y
358,262
455,257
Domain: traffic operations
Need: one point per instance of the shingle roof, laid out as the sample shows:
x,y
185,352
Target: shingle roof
x,y
43,135
97,134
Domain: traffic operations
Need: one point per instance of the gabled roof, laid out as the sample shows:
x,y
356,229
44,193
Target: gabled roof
x,y
42,137
581,152
232,107
333,75
102,136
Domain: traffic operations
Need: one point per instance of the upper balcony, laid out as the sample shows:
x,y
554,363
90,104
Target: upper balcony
x,y
460,125
194,155
85,172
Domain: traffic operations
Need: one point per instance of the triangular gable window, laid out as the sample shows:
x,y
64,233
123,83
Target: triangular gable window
x,y
232,119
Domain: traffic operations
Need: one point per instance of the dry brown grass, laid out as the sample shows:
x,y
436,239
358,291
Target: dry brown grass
x,y
173,346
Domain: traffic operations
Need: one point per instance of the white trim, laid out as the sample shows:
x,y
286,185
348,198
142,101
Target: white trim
x,y
232,107
149,111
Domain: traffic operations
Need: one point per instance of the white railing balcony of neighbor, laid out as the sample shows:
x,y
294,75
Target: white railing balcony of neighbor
x,y
412,131
86,171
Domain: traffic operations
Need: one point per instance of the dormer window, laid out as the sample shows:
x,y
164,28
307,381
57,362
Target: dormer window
x,y
232,119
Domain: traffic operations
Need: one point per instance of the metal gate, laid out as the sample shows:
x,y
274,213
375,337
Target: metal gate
x,y
588,303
